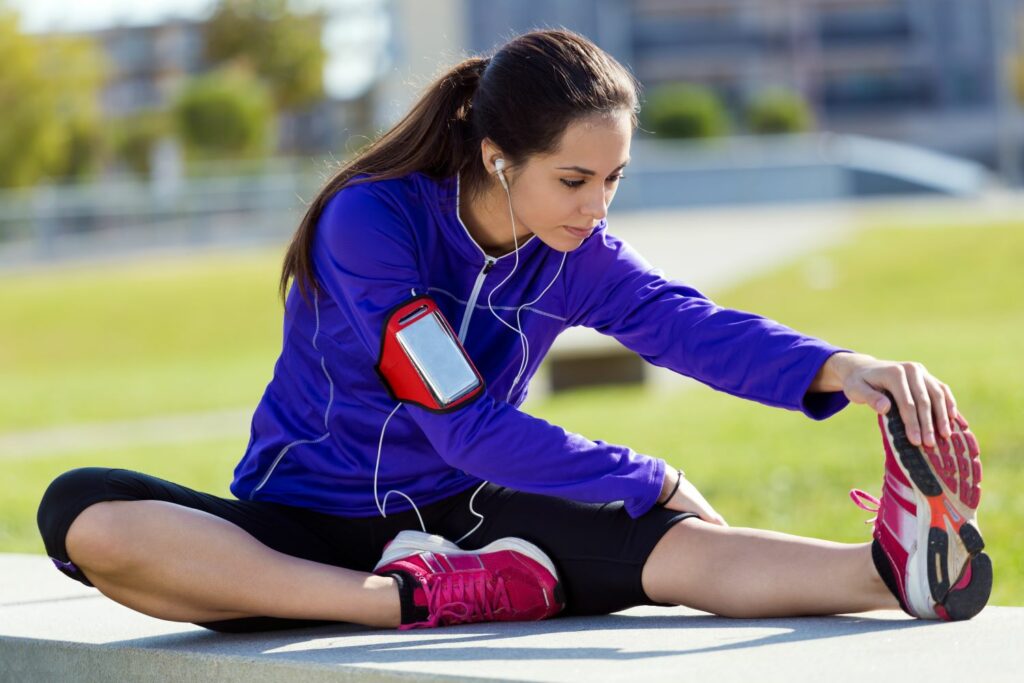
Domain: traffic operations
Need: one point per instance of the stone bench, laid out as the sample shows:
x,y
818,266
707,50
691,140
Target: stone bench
x,y
53,629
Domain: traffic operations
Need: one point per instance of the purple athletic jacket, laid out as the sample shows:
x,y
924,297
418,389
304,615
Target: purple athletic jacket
x,y
316,431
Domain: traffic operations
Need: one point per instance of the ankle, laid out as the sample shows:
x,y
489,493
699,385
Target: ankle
x,y
391,617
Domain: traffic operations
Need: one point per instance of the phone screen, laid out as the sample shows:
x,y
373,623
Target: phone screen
x,y
438,359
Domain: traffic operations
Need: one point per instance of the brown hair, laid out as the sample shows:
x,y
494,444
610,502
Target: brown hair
x,y
522,98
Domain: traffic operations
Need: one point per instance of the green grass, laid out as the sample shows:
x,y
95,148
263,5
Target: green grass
x,y
173,336
123,341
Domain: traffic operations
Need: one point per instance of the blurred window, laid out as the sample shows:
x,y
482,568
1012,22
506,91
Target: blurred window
x,y
877,90
863,23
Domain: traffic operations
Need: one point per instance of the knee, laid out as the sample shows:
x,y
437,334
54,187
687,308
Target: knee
x,y
74,525
98,539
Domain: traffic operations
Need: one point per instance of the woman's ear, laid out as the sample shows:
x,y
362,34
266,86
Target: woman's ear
x,y
489,152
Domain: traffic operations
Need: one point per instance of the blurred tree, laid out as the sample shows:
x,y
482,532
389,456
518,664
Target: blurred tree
x,y
226,113
49,115
76,70
282,47
135,136
777,110
682,110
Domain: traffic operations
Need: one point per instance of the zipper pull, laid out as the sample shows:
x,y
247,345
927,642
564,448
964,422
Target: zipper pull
x,y
488,264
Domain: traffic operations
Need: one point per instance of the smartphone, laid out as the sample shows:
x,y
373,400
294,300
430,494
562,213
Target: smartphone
x,y
437,357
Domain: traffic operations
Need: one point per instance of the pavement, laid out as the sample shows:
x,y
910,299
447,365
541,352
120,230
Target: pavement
x,y
54,629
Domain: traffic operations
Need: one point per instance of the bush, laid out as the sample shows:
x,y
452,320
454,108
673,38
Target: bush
x,y
227,113
136,135
778,111
682,110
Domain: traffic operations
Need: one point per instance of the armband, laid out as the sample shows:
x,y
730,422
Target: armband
x,y
422,360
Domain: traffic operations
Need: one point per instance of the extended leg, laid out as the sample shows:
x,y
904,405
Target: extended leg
x,y
739,572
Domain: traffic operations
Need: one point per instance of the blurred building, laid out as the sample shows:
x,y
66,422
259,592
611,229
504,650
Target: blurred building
x,y
920,71
148,64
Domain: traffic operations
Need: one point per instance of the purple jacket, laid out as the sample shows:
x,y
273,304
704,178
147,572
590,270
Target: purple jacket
x,y
316,431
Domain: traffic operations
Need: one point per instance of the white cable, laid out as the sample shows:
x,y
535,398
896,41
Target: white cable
x,y
382,505
525,343
474,513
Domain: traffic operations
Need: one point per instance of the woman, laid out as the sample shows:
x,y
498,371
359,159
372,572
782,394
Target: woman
x,y
428,279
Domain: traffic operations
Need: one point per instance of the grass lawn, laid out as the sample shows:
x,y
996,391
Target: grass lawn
x,y
177,336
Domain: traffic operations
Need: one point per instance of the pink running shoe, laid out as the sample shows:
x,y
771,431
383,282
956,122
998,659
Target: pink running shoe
x,y
927,545
441,584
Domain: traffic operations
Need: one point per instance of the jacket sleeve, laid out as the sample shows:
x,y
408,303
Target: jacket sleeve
x,y
675,326
366,258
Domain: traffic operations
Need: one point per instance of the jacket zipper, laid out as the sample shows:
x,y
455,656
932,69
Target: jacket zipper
x,y
489,262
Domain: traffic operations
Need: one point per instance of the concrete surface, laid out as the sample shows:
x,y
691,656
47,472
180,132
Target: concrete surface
x,y
54,629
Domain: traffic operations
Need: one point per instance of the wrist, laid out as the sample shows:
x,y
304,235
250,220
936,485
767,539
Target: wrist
x,y
669,486
834,371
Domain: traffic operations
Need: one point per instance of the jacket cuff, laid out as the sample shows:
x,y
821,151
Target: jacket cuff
x,y
822,405
637,507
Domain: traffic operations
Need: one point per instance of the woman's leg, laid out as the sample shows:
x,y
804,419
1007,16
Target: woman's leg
x,y
183,564
738,572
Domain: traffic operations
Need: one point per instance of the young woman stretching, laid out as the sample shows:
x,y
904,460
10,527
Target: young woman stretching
x,y
427,281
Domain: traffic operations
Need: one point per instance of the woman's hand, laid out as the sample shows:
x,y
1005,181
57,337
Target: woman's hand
x,y
687,498
926,405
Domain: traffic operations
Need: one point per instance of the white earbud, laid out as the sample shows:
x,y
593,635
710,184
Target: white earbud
x,y
499,167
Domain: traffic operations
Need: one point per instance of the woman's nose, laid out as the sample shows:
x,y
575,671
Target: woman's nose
x,y
596,206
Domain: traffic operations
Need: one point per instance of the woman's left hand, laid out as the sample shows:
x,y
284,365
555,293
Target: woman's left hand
x,y
926,405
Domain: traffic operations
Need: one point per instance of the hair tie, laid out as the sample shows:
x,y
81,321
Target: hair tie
x,y
672,493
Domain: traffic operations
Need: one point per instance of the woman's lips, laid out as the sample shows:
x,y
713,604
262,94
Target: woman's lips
x,y
578,232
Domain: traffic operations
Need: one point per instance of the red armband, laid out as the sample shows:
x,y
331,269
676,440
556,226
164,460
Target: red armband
x,y
422,360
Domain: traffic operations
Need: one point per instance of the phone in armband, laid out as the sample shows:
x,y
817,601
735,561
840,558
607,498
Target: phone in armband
x,y
422,360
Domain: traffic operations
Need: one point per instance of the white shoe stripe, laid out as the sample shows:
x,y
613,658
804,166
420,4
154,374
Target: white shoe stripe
x,y
902,525
899,488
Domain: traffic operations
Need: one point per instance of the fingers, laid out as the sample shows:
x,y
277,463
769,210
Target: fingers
x,y
951,407
922,403
900,388
926,405
688,499
940,410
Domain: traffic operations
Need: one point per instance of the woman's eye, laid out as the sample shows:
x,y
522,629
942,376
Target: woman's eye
x,y
576,183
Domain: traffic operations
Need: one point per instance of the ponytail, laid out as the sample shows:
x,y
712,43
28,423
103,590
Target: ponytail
x,y
436,137
557,77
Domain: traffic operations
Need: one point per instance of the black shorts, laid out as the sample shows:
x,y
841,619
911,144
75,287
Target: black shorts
x,y
598,549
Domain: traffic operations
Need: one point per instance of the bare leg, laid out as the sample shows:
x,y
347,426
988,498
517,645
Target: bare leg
x,y
738,572
181,564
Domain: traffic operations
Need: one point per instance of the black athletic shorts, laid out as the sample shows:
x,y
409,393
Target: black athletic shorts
x,y
598,549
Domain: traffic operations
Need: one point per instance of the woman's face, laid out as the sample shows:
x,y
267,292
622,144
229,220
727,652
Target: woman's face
x,y
560,197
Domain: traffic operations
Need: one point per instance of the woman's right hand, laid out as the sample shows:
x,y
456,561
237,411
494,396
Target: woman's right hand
x,y
688,499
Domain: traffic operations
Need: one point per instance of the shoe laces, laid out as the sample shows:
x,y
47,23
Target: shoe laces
x,y
865,501
465,597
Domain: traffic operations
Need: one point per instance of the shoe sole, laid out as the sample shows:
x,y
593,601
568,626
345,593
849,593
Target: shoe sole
x,y
409,542
955,576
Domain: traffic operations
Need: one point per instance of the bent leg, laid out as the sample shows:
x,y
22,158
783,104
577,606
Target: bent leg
x,y
740,572
179,554
182,564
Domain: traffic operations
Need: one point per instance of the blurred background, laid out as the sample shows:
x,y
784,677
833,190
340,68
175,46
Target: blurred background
x,y
849,167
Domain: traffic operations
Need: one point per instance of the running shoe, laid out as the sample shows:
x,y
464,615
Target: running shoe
x,y
441,584
927,547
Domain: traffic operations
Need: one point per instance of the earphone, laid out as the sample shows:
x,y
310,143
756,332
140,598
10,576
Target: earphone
x,y
499,167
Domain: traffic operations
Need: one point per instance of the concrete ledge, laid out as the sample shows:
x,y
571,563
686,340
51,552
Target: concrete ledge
x,y
53,629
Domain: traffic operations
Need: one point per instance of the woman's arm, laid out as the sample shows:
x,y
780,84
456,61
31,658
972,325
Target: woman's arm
x,y
614,290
